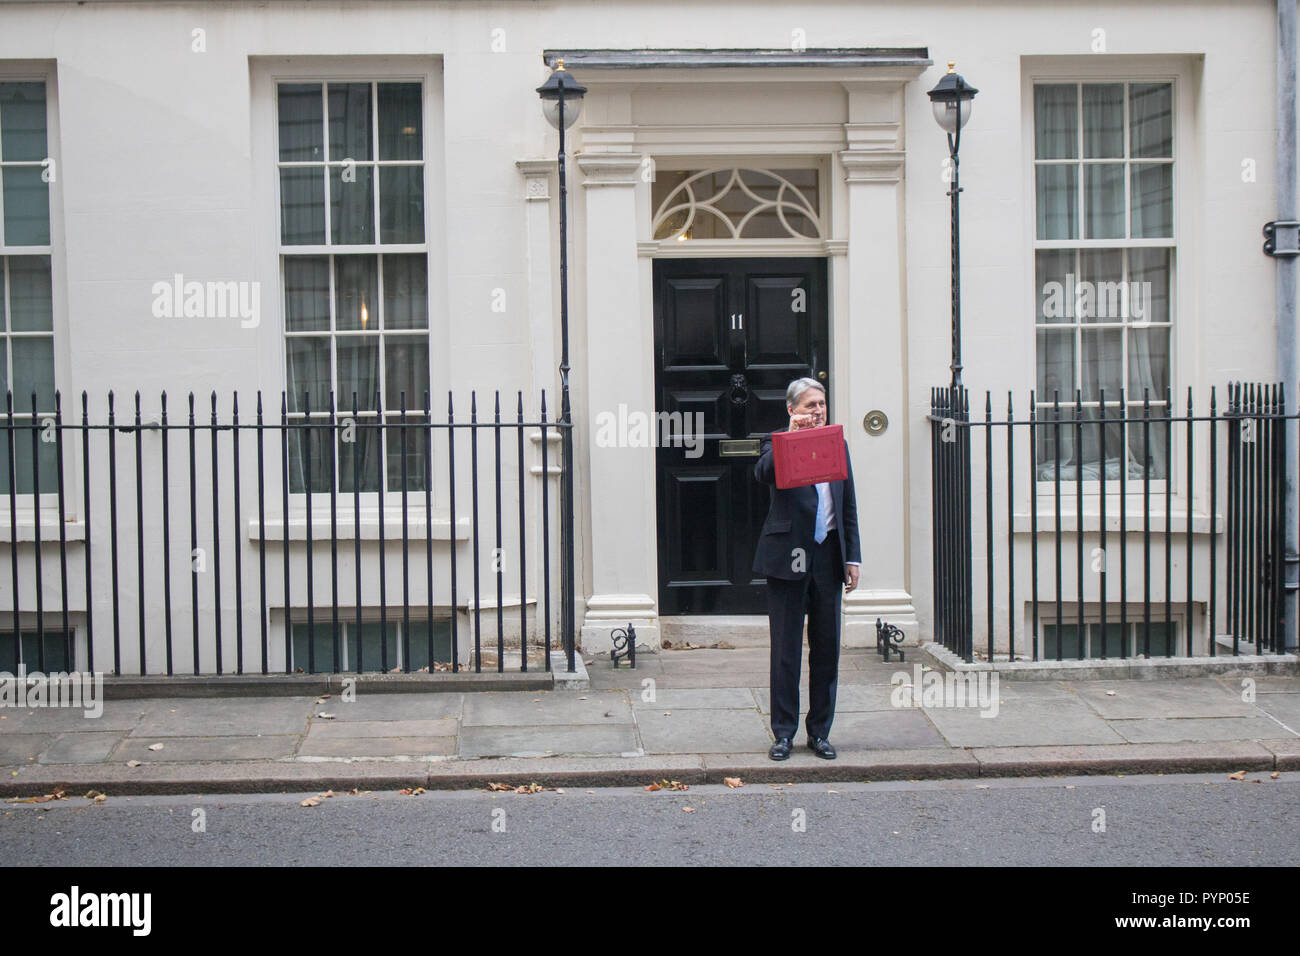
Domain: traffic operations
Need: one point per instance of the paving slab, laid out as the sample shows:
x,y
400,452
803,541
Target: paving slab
x,y
1226,756
1264,684
880,730
625,679
557,707
367,747
203,749
1196,697
366,729
703,731
848,699
739,678
393,707
857,697
116,715
717,698
18,749
763,697
584,739
1283,707
1023,724
82,747
1145,730
716,662
876,672
221,717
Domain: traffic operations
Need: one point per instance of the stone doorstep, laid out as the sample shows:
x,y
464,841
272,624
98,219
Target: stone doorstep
x,y
1158,668
574,772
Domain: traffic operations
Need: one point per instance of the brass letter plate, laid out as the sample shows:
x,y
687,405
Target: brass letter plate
x,y
729,447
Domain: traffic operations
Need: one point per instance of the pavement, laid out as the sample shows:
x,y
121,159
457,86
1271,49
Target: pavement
x,y
696,716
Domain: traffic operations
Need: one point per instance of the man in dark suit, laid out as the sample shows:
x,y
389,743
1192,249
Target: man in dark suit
x,y
808,550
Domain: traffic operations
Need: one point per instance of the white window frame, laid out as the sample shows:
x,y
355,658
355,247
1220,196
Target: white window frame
x,y
266,75
39,71
1115,69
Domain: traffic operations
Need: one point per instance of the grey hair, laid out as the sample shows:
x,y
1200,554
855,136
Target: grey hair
x,y
798,387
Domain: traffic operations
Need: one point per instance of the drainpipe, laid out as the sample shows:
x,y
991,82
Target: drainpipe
x,y
1285,251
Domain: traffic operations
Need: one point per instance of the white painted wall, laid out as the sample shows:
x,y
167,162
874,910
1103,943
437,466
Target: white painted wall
x,y
165,167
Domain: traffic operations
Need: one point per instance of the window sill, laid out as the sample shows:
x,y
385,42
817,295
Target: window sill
x,y
369,525
1136,521
73,529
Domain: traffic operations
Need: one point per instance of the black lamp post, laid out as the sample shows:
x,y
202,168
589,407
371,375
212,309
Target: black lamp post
x,y
951,101
561,103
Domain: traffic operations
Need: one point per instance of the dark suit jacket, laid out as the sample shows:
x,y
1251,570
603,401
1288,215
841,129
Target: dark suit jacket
x,y
792,519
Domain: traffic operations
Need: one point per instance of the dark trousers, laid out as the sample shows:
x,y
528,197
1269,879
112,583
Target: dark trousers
x,y
818,595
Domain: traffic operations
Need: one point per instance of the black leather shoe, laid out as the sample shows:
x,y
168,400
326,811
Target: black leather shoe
x,y
821,747
781,749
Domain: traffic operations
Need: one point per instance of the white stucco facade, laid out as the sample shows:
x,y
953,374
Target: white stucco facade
x,y
165,150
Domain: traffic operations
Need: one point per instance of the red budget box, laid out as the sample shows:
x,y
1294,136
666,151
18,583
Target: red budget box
x,y
809,456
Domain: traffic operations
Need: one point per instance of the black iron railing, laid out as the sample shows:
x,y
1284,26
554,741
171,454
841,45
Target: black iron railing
x,y
241,507
1109,527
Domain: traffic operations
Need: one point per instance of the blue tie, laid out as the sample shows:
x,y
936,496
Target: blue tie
x,y
819,532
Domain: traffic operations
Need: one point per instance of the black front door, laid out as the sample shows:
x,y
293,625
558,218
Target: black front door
x,y
730,335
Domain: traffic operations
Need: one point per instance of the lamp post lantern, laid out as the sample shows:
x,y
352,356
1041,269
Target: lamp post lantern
x,y
951,101
561,103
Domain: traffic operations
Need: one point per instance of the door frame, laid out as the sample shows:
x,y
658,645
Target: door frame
x,y
822,351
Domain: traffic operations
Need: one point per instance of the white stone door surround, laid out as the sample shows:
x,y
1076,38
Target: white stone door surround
x,y
848,120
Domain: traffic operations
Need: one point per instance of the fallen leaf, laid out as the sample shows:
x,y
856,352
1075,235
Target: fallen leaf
x,y
101,798
652,787
1110,693
325,716
327,794
155,746
733,782
558,790
529,788
688,809
1239,775
310,802
1274,775
500,786
409,792
354,792
133,763
92,794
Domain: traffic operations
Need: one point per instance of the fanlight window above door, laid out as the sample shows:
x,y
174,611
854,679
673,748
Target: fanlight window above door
x,y
736,203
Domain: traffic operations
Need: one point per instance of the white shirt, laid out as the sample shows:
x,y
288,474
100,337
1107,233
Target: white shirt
x,y
828,503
